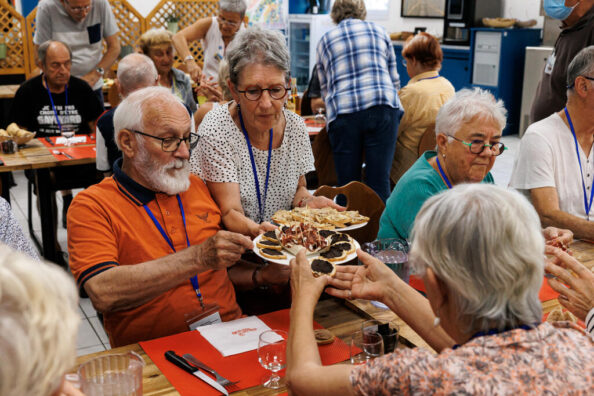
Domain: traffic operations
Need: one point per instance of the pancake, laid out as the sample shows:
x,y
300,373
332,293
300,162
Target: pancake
x,y
347,247
338,237
321,267
270,236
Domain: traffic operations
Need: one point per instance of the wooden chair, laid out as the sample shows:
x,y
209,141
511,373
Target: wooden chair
x,y
113,96
365,200
428,141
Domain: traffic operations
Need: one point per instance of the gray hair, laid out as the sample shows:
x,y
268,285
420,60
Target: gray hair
x,y
257,46
136,71
464,106
38,325
130,113
485,243
223,76
237,6
581,65
43,47
345,9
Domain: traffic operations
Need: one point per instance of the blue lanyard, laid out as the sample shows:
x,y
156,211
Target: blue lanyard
x,y
497,331
261,202
194,279
52,102
427,78
443,173
587,205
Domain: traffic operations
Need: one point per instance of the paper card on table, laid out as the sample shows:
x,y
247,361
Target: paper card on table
x,y
237,336
72,140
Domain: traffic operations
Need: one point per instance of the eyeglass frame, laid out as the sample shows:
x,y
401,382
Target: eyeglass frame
x,y
244,92
404,61
78,9
224,21
469,145
573,83
186,140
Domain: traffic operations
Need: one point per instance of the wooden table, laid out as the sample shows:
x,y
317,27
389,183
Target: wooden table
x,y
37,157
342,318
8,91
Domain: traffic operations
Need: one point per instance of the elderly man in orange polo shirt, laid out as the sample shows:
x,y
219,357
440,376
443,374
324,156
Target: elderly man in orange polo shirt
x,y
145,244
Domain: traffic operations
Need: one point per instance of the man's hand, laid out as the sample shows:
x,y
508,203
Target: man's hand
x,y
370,281
223,249
275,274
552,234
194,70
305,288
91,77
576,291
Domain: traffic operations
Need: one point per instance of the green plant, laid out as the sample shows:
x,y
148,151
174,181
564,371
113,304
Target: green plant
x,y
172,18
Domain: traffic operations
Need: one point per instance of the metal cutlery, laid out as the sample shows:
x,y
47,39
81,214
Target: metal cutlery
x,y
183,364
220,379
58,152
47,139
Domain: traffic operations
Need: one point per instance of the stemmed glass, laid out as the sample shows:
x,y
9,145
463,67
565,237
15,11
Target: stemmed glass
x,y
68,134
320,117
272,347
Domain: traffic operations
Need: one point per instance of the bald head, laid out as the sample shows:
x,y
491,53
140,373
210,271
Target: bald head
x,y
136,71
52,47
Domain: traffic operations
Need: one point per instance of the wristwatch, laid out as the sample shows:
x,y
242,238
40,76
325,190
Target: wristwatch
x,y
189,57
100,70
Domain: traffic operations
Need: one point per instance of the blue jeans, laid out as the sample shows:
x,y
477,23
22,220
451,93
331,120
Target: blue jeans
x,y
371,131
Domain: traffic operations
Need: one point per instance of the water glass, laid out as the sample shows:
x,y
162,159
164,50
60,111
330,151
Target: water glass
x,y
393,252
272,346
112,375
388,331
365,346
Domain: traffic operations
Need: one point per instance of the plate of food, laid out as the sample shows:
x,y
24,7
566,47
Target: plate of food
x,y
281,245
323,218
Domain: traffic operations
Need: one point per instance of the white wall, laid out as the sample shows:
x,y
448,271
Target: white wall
x,y
519,9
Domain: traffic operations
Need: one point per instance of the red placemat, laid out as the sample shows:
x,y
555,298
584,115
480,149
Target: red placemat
x,y
46,143
243,367
74,152
545,294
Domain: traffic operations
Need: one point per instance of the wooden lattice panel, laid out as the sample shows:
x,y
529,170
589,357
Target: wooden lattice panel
x,y
30,29
188,11
12,29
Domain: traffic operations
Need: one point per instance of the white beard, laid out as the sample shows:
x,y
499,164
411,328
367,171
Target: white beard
x,y
159,176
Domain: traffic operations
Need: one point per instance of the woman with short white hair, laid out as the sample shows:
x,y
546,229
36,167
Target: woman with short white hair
x,y
468,131
479,249
38,326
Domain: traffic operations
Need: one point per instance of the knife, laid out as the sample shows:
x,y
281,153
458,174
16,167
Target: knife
x,y
183,364
47,139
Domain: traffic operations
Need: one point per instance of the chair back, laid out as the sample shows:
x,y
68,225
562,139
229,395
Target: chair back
x,y
362,198
113,95
428,141
305,108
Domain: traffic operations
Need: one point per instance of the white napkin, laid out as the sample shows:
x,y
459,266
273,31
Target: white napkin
x,y
237,336
72,140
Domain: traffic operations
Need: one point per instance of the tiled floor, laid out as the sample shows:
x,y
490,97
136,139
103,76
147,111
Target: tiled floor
x,y
91,336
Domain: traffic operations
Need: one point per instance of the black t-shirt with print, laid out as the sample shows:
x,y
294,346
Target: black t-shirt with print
x,y
32,109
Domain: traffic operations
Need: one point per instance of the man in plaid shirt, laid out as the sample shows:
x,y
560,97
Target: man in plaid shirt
x,y
357,71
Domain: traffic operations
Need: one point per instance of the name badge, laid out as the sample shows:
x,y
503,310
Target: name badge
x,y
550,63
210,315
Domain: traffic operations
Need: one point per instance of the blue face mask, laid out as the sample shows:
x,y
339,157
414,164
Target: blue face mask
x,y
557,9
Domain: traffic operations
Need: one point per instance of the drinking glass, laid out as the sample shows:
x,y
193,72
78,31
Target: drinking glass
x,y
365,346
388,331
112,375
393,252
272,346
320,117
68,134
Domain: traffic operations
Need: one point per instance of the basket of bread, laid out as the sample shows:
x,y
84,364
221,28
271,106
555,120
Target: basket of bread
x,y
18,135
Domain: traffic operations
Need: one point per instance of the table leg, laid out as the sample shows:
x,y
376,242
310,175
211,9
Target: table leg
x,y
5,185
44,194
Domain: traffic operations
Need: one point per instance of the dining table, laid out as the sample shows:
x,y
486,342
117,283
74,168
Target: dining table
x,y
341,317
41,155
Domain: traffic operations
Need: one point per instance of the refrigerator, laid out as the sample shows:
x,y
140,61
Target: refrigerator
x,y
305,31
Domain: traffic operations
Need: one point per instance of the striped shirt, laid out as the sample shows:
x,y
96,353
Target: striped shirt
x,y
357,68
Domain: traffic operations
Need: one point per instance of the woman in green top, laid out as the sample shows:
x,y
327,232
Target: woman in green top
x,y
468,132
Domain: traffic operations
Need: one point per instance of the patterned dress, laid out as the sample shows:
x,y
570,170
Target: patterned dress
x,y
550,359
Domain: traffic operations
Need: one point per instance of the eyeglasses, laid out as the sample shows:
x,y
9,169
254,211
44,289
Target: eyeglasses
x,y
79,9
254,93
586,77
170,144
224,21
477,146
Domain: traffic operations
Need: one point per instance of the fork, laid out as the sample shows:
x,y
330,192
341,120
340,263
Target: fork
x,y
220,379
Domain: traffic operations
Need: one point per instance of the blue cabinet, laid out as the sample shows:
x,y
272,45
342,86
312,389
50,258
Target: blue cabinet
x,y
455,66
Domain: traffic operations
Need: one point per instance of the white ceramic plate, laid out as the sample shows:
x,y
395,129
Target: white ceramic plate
x,y
351,227
291,256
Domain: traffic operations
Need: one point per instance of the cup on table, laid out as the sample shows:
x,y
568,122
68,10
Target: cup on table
x,y
365,346
272,346
8,147
112,375
393,252
388,330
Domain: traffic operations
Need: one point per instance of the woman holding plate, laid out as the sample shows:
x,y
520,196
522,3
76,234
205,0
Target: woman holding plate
x,y
253,153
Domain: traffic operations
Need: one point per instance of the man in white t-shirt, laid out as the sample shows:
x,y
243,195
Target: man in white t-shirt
x,y
555,165
82,24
